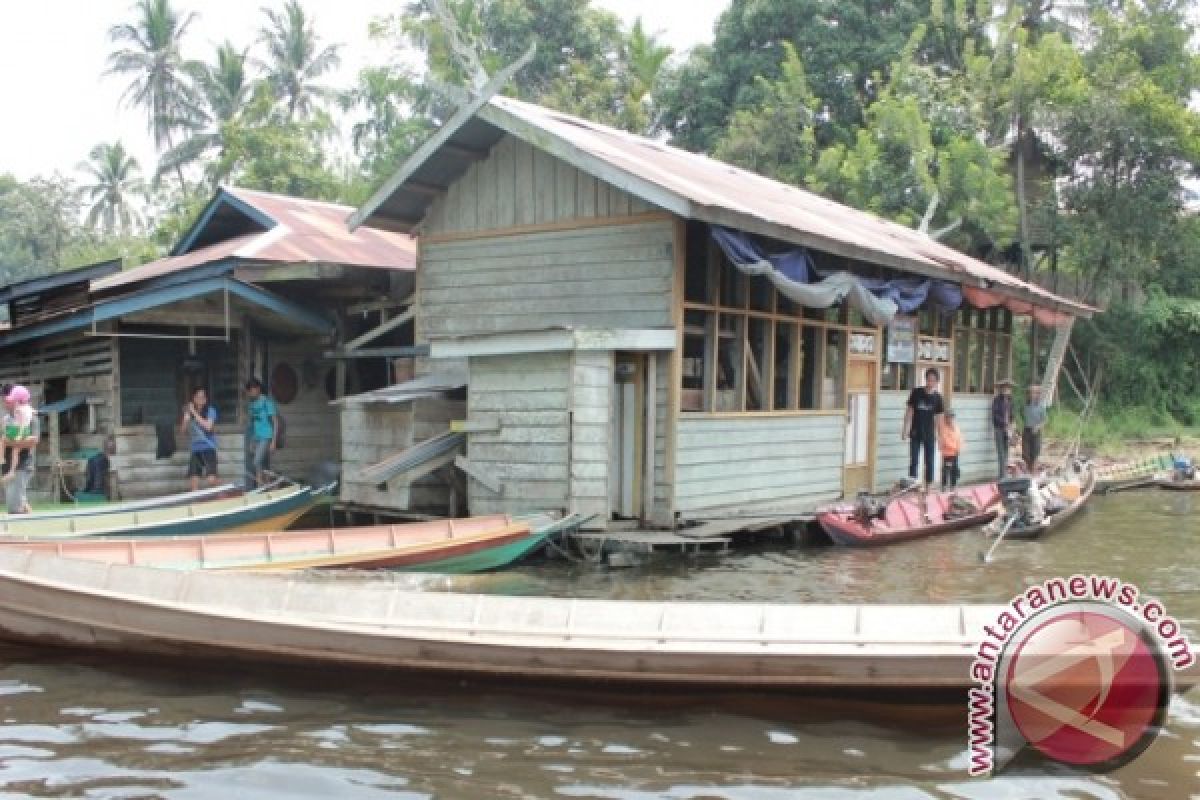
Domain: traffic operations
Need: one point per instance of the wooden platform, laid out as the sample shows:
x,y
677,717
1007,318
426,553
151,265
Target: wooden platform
x,y
596,545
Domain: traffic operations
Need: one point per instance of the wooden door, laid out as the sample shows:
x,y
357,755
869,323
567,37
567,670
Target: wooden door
x,y
861,395
628,434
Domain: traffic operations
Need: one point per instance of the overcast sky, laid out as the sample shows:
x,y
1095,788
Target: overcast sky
x,y
52,53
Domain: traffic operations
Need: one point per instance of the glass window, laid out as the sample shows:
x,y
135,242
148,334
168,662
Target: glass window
x,y
730,363
762,294
759,365
927,322
857,319
810,367
945,324
1003,356
896,377
960,359
733,285
698,333
785,366
833,389
989,361
698,275
975,357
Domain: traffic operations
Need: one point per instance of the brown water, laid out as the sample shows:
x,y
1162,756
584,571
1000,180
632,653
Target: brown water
x,y
108,729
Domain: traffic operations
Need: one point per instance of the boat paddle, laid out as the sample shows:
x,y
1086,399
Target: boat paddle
x,y
987,557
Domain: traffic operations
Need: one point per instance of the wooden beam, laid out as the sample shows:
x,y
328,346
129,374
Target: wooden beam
x,y
380,330
382,304
481,476
414,351
426,188
465,153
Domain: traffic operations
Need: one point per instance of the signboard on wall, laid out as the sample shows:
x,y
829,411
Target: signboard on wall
x,y
862,344
902,340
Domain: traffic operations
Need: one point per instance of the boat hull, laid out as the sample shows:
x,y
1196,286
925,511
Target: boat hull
x,y
843,529
1178,486
270,511
1052,522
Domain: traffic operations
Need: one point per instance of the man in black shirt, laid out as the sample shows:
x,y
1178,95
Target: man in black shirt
x,y
921,420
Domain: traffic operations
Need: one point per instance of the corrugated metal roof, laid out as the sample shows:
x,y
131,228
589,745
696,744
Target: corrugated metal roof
x,y
304,231
431,385
691,185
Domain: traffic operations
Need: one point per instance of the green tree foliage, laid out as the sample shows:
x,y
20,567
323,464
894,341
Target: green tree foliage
x,y
39,220
296,60
389,130
224,87
113,188
842,45
148,54
777,136
265,149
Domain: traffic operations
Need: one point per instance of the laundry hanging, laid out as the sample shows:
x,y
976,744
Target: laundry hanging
x,y
794,276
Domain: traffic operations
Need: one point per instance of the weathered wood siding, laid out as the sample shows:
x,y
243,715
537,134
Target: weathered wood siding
x,y
977,459
142,474
312,434
527,396
891,454
604,277
87,365
591,441
740,461
519,185
664,491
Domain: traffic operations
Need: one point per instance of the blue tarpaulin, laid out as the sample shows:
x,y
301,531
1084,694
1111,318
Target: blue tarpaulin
x,y
794,276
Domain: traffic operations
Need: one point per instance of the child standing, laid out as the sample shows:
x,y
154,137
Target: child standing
x,y
17,426
950,443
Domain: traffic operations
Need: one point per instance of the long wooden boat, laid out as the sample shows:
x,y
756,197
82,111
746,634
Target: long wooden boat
x,y
221,492
449,546
1167,482
910,517
334,620
257,511
1084,483
1136,475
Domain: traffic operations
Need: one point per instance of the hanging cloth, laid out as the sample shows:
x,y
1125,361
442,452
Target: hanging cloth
x,y
793,275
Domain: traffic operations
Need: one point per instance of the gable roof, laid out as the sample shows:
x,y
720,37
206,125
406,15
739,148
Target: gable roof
x,y
242,224
690,185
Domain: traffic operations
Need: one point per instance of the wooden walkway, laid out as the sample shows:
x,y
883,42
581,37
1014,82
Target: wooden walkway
x,y
595,546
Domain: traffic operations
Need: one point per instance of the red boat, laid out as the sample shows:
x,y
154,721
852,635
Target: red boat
x,y
910,517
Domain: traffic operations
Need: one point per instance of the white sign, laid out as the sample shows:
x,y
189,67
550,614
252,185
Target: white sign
x,y
862,343
902,340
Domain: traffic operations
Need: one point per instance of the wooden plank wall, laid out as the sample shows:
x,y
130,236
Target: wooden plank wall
x,y
313,433
591,439
603,277
664,491
142,474
520,185
978,457
87,363
528,396
741,461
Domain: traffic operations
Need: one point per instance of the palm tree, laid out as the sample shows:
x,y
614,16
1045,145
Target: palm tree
x,y
224,89
149,54
295,59
114,181
646,58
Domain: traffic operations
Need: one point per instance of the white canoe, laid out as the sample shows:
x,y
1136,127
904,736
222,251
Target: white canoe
x,y
384,623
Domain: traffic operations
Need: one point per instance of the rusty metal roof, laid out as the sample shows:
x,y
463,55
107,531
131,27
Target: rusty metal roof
x,y
688,184
263,227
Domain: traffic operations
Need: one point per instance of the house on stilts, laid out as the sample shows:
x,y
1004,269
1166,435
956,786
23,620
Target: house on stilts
x,y
260,285
649,333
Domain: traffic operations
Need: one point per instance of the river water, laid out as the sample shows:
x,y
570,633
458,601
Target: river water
x,y
108,728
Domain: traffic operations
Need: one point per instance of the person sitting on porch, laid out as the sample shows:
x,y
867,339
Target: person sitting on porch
x,y
921,421
261,432
199,423
950,443
1002,420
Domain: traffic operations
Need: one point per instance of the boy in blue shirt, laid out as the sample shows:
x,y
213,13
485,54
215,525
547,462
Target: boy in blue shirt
x,y
199,425
262,430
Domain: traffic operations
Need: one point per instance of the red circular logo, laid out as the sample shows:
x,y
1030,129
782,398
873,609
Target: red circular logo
x,y
1084,688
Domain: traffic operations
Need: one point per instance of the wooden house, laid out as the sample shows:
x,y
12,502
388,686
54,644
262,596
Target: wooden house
x,y
619,364
260,285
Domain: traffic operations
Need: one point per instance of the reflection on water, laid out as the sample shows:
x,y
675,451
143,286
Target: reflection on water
x,y
72,728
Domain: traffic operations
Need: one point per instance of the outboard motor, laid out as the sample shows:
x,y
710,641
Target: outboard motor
x,y
1022,501
1185,470
867,508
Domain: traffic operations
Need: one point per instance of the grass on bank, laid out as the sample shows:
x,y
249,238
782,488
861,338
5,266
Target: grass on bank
x,y
1115,432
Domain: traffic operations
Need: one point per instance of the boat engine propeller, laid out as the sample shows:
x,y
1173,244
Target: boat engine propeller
x,y
1022,501
1184,470
868,508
